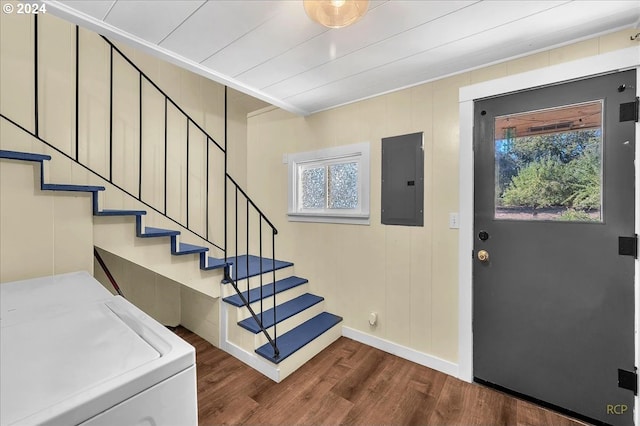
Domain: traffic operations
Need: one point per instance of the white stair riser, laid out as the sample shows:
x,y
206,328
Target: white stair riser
x,y
308,351
250,341
290,323
242,312
254,282
240,337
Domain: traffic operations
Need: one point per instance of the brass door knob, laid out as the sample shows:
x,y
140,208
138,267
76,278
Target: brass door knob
x,y
483,256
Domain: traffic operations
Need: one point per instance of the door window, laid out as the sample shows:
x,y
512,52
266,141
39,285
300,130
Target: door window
x,y
548,164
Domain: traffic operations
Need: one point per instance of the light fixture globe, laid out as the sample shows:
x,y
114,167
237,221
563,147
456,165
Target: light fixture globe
x,y
335,13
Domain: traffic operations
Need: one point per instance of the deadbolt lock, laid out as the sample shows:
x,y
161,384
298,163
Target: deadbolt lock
x,y
483,256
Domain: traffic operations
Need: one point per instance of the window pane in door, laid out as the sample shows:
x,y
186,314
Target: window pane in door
x,y
343,186
313,188
548,164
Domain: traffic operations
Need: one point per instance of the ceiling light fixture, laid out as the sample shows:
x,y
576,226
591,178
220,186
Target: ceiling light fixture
x,y
335,13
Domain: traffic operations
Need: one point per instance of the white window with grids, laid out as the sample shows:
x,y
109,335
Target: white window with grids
x,y
330,185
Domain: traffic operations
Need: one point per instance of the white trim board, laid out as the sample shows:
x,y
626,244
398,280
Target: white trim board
x,y
251,359
609,62
404,352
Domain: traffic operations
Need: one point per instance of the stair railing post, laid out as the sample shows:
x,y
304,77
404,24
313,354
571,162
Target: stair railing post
x,y
225,173
247,258
166,119
140,136
187,178
77,91
235,263
35,75
261,282
276,352
111,114
206,198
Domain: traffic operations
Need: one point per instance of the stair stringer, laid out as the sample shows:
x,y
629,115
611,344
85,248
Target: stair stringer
x,y
118,236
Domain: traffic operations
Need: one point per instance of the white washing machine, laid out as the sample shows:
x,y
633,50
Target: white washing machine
x,y
71,353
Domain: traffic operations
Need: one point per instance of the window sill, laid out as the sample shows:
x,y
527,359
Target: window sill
x,y
329,218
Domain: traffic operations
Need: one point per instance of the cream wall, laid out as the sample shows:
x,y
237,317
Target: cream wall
x,y
40,234
199,97
43,233
408,275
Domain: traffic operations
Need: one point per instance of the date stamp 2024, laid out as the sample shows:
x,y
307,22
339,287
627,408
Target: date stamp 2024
x,y
23,8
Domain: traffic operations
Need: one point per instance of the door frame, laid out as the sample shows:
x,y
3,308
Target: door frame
x,y
619,60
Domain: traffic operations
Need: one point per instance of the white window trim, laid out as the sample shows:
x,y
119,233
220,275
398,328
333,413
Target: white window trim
x,y
360,153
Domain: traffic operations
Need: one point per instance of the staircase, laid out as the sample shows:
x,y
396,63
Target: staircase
x,y
304,327
269,319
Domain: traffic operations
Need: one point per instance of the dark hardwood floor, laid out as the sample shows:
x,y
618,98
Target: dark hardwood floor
x,y
350,384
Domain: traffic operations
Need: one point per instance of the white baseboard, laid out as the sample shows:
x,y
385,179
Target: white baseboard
x,y
412,355
252,360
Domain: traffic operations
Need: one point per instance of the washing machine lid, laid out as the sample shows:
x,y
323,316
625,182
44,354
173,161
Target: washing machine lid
x,y
41,293
64,366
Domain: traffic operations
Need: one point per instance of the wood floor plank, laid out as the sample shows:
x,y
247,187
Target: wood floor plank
x,y
351,384
531,415
369,365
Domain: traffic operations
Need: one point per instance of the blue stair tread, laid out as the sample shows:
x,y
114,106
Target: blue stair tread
x,y
120,212
185,248
240,272
295,339
75,188
267,290
151,232
215,263
25,156
284,311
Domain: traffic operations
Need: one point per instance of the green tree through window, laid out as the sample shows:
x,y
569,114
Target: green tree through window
x,y
560,172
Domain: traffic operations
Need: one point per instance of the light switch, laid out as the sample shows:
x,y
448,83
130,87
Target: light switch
x,y
454,221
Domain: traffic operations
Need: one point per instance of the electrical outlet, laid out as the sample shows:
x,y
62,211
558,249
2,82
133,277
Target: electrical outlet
x,y
454,221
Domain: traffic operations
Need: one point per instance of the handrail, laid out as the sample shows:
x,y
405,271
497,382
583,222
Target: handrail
x,y
230,279
55,148
250,205
114,47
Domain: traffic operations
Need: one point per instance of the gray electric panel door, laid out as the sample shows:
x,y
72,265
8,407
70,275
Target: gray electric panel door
x,y
403,180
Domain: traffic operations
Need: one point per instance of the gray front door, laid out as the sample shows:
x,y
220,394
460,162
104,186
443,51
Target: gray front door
x,y
553,300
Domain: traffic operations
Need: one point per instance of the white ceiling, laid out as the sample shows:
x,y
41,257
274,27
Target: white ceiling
x,y
271,50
